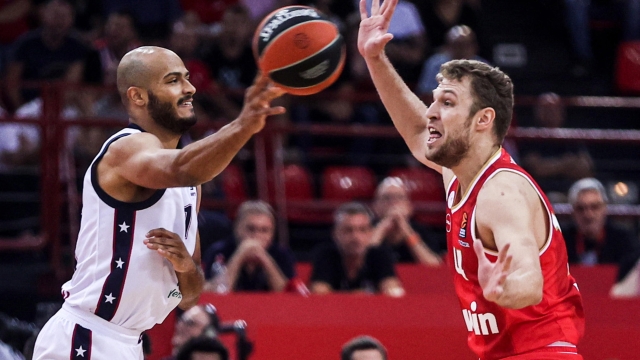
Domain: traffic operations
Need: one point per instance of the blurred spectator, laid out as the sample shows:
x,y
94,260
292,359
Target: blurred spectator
x,y
593,238
441,15
395,229
48,53
186,40
13,23
203,348
363,348
253,261
258,9
229,57
120,37
555,164
461,43
337,10
153,17
351,263
191,324
208,11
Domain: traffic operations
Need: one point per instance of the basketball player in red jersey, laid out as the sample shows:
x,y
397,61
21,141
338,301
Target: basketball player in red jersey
x,y
506,251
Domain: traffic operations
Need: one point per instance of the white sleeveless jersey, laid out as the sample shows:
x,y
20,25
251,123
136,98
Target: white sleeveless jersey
x,y
117,277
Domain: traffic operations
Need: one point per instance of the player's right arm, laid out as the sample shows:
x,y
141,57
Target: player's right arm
x,y
142,160
406,110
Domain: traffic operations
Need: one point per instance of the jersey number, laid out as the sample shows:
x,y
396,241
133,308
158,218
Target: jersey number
x,y
457,261
187,220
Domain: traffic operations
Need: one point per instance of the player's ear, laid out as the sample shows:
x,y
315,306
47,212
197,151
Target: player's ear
x,y
485,118
137,96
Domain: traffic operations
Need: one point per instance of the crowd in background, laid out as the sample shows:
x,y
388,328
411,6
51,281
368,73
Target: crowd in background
x,y
81,42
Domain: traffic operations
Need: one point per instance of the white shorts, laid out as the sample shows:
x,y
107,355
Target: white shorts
x,y
76,334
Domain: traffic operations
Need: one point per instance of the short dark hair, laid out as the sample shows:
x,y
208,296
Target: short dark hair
x,y
490,87
351,208
362,343
202,344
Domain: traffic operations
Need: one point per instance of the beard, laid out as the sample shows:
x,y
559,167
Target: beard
x,y
452,152
165,115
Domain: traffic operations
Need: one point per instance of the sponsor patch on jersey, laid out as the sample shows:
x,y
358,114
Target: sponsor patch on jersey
x,y
175,293
463,226
463,243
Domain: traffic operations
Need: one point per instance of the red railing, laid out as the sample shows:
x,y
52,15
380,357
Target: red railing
x,y
53,129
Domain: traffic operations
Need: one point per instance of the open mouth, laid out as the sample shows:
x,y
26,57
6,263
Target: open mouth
x,y
186,103
434,135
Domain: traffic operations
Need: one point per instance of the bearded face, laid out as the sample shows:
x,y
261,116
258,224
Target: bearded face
x,y
164,114
454,149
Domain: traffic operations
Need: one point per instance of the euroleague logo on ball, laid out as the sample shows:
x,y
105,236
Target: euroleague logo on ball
x,y
301,41
282,16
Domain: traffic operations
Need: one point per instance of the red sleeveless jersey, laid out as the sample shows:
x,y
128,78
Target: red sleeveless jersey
x,y
494,331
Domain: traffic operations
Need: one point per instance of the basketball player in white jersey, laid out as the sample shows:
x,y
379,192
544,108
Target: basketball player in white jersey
x,y
138,251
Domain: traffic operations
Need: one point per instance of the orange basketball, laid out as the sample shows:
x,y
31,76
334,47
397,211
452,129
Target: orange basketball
x,y
299,49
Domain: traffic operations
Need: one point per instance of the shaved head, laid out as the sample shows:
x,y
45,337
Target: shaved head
x,y
153,83
139,66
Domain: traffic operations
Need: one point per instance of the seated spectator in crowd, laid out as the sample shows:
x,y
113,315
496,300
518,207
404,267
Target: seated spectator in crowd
x,y
254,262
153,17
460,43
351,263
50,52
14,21
439,16
593,238
119,38
554,165
363,348
229,57
395,229
203,348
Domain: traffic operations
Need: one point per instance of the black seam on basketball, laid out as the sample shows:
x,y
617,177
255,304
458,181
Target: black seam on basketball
x,y
300,83
337,38
264,50
282,27
344,55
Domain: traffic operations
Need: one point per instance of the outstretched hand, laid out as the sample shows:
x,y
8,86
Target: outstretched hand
x,y
170,246
257,102
492,276
373,35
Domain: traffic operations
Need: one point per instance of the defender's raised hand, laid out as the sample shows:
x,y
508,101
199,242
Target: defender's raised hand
x,y
492,276
170,246
257,103
373,35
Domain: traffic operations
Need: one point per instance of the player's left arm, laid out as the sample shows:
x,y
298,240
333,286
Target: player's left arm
x,y
188,269
506,220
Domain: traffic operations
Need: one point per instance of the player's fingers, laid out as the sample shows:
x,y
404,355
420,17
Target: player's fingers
x,y
502,253
272,111
388,6
261,81
502,279
507,264
271,93
383,40
363,10
375,7
160,232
